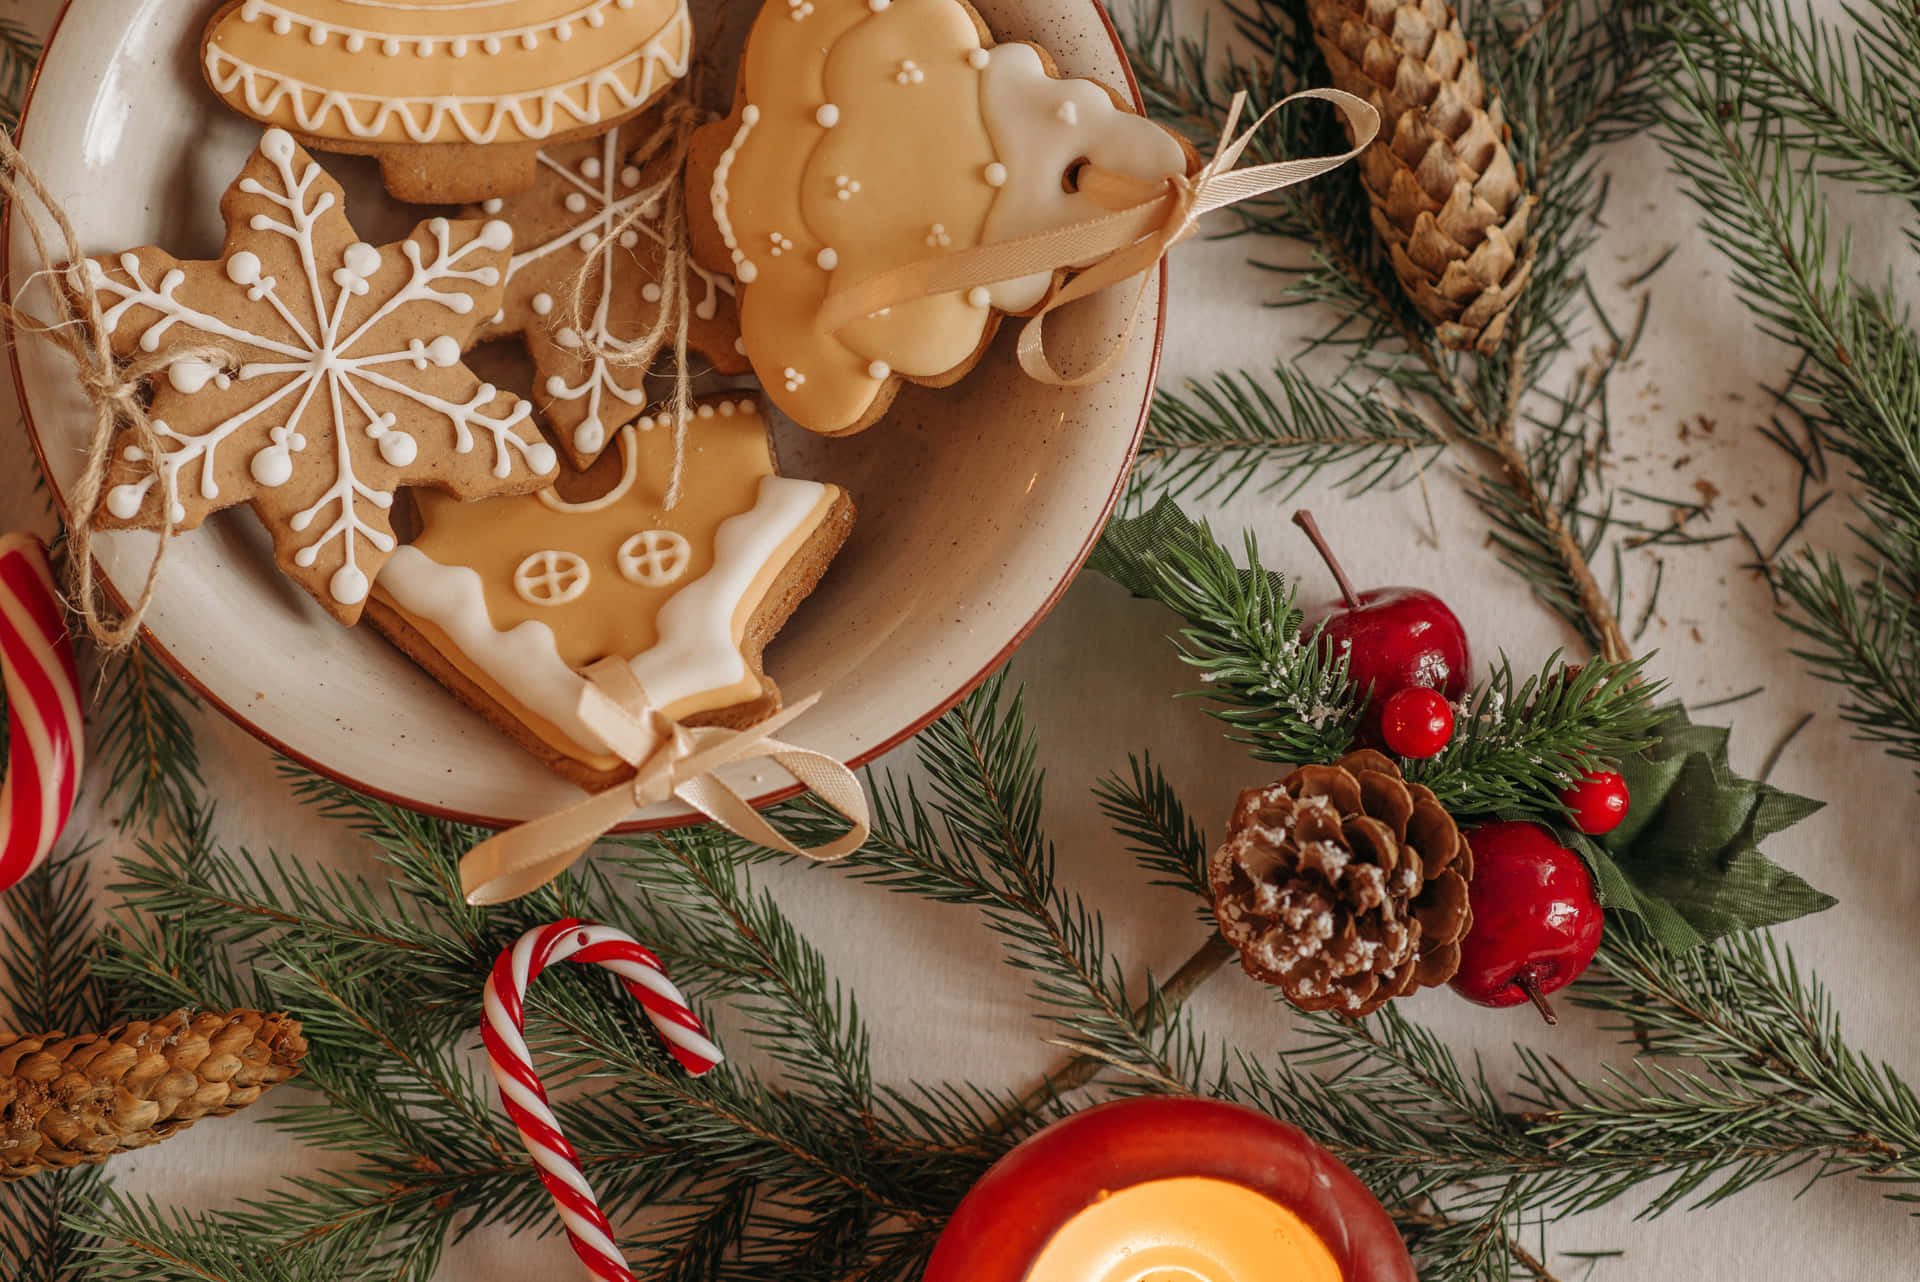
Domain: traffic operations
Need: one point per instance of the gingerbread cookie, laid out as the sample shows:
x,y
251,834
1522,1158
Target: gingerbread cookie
x,y
581,212
453,96
509,600
344,380
867,134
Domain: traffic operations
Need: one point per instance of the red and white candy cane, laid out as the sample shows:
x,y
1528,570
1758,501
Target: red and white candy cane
x,y
44,752
526,1099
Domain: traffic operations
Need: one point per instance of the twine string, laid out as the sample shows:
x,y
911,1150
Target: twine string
x,y
113,389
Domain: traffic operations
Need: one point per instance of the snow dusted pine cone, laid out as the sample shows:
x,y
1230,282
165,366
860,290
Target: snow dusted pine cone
x,y
66,1100
1343,885
1446,196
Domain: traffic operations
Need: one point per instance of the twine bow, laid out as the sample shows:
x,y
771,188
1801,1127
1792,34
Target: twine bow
x,y
1146,220
672,760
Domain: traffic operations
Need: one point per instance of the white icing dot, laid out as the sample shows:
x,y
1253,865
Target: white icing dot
x,y
576,203
459,47
568,337
827,259
190,376
629,238
650,292
1068,113
390,47
630,176
493,205
542,304
496,235
794,378
937,237
588,242
995,174
277,145
124,501
362,259
740,346
424,48
726,409
878,6
744,272
827,116
317,34
348,586
282,25
397,448
590,167
541,458
355,42
491,44
978,296
529,41
563,32
879,370
977,59
589,436
705,411
443,351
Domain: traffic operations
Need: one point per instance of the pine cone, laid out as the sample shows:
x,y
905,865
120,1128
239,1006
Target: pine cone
x,y
70,1100
1446,195
1344,885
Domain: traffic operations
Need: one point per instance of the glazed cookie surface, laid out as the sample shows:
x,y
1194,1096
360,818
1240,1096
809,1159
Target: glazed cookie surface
x,y
342,380
508,600
867,134
593,207
453,96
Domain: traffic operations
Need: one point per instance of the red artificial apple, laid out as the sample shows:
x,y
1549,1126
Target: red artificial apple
x,y
1169,1187
1393,637
1536,923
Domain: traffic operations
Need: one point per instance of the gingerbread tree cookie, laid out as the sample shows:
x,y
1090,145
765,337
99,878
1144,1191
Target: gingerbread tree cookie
x,y
453,96
344,380
867,134
592,207
507,601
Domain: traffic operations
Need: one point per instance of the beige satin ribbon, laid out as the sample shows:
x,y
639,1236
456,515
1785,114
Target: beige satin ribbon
x,y
1148,219
673,761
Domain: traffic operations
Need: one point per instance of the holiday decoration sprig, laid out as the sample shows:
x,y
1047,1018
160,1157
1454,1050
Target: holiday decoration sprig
x,y
824,1172
1760,108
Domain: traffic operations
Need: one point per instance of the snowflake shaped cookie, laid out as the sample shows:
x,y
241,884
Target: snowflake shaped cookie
x,y
344,383
572,217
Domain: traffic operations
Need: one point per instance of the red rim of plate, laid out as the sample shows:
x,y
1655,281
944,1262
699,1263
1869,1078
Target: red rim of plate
x,y
371,789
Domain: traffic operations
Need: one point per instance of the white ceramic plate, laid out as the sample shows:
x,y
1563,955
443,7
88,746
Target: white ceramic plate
x,y
977,502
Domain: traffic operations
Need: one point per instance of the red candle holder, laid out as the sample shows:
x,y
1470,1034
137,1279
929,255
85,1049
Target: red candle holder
x,y
1170,1190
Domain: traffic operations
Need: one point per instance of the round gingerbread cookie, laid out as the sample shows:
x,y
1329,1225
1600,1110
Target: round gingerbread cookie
x,y
454,97
867,134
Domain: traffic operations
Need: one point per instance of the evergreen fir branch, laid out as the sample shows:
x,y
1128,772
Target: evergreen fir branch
x,y
1518,749
1744,162
39,1238
19,55
1148,815
47,980
1865,638
141,726
1232,430
1848,93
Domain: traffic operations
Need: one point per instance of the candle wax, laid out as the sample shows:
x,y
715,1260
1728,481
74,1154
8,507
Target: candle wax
x,y
1186,1229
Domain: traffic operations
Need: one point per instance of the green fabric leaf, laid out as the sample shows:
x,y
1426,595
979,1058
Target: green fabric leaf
x,y
1687,859
1134,550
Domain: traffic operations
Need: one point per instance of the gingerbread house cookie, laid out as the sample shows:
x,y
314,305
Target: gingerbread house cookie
x,y
867,134
453,96
508,601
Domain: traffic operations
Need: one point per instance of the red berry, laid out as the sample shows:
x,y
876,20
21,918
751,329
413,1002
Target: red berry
x,y
1416,722
1598,802
1536,920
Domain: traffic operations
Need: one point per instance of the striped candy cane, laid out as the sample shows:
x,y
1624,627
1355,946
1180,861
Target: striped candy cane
x,y
525,1098
44,752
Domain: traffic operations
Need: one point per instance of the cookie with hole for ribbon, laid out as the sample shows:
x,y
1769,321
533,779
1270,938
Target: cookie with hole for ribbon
x,y
311,375
509,601
869,134
453,97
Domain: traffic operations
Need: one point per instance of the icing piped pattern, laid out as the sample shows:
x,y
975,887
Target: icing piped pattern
x,y
328,362
473,71
977,144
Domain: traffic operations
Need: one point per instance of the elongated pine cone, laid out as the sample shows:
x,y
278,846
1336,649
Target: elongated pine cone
x,y
1446,195
66,1100
1343,885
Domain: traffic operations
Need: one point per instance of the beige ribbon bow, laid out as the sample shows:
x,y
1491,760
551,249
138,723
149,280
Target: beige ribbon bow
x,y
672,761
1148,219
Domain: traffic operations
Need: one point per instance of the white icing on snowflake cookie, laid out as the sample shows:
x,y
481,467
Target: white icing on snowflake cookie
x,y
345,380
584,192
